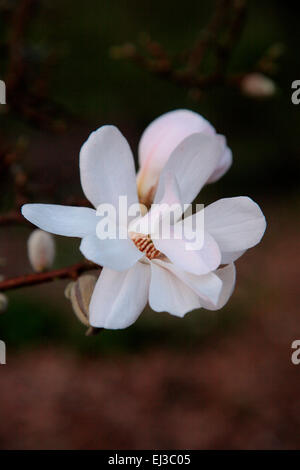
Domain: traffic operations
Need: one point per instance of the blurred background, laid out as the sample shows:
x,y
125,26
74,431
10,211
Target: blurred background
x,y
215,380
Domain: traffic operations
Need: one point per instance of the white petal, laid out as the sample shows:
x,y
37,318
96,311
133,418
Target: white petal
x,y
159,140
223,165
231,256
119,298
208,286
169,294
168,211
117,254
235,223
171,191
107,168
201,261
62,220
192,163
228,277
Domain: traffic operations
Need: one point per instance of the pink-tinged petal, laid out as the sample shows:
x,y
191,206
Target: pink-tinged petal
x,y
160,139
207,286
192,163
117,254
62,220
107,168
169,294
196,261
228,277
119,298
235,223
163,135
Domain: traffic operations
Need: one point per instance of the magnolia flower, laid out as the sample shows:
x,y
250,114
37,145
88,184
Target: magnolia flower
x,y
137,268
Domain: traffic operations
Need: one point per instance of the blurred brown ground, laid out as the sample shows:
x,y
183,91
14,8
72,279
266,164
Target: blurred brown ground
x,y
238,391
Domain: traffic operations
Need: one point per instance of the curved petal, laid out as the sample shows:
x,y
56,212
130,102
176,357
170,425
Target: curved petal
x,y
117,254
235,223
163,135
198,261
228,277
119,298
160,139
169,294
223,165
208,286
231,256
107,168
62,220
192,163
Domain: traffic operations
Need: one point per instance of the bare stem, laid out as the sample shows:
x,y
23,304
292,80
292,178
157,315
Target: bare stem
x,y
69,272
209,35
229,19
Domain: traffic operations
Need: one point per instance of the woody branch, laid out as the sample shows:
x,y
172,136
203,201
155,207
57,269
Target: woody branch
x,y
69,272
220,37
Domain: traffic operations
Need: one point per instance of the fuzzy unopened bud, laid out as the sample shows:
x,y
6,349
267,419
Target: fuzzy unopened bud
x,y
80,293
258,85
3,303
41,250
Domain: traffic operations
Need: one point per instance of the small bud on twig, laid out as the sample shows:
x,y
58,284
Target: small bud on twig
x,y
80,293
41,250
257,85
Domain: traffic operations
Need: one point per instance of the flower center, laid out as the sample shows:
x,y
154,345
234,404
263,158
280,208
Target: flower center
x,y
145,245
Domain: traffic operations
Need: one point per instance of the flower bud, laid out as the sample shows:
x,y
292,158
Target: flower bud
x,y
161,138
257,85
41,250
3,302
80,293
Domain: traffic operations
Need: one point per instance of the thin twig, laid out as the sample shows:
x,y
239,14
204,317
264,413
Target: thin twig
x,y
209,35
69,272
20,21
234,32
187,75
